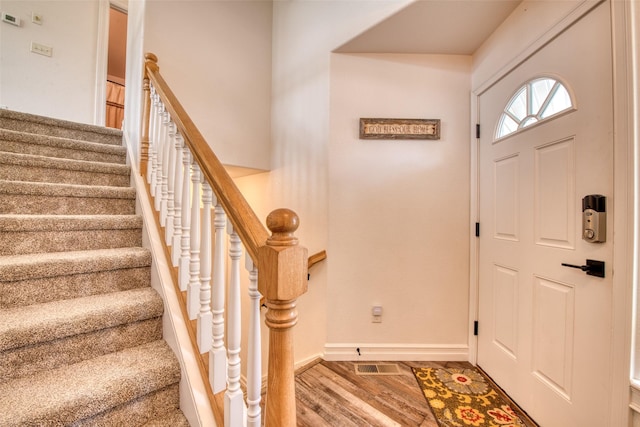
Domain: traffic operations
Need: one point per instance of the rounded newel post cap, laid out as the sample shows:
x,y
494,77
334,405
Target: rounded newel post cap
x,y
151,62
282,223
151,57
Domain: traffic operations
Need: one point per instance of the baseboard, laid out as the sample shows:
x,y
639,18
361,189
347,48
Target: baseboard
x,y
397,352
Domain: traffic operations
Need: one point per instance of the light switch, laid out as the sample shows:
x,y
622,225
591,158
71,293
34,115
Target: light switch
x,y
41,49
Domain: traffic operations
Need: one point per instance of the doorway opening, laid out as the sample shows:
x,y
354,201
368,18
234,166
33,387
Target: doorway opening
x,y
116,67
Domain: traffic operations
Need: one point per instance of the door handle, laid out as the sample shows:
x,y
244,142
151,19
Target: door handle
x,y
593,267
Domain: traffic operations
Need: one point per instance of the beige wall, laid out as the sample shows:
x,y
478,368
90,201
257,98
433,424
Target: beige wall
x,y
216,56
60,86
323,172
399,210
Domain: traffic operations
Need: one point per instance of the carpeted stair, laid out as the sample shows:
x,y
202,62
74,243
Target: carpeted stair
x,y
80,326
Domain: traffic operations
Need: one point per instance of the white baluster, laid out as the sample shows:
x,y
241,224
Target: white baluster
x,y
152,136
159,153
154,148
185,255
254,354
218,353
177,202
193,290
171,171
205,318
233,400
166,144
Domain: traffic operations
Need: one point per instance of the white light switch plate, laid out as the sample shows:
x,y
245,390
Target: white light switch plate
x,y
41,49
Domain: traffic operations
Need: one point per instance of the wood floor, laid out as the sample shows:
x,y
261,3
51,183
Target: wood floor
x,y
332,394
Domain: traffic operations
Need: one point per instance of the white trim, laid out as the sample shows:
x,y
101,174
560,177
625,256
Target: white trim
x,y
120,5
474,244
634,401
625,210
396,352
194,401
102,53
625,19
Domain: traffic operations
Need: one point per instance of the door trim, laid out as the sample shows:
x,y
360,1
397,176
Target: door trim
x,y
626,160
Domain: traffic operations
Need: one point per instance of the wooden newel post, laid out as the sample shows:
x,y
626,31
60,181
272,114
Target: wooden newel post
x,y
151,61
282,278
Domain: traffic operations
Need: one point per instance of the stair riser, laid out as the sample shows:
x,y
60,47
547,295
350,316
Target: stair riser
x,y
29,242
35,291
137,412
61,176
30,204
52,354
58,131
61,152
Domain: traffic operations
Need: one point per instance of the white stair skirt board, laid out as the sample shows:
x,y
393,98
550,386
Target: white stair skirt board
x,y
194,401
396,352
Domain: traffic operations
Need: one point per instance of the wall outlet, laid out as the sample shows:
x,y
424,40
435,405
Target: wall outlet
x,y
376,314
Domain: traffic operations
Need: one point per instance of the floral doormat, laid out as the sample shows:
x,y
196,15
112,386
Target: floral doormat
x,y
463,397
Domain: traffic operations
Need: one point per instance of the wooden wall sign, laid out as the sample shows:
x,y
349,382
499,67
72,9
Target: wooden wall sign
x,y
399,128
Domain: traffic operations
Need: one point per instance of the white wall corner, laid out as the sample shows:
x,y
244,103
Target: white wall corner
x,y
194,402
396,352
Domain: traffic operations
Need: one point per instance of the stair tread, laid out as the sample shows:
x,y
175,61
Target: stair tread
x,y
26,222
174,418
70,393
28,325
50,264
60,142
69,190
34,160
34,118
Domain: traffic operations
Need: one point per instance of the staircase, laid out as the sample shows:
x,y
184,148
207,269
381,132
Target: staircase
x,y
80,327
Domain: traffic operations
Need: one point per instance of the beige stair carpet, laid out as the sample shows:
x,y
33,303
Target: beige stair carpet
x,y
80,326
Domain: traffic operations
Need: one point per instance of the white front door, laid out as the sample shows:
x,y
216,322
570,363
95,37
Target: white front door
x,y
544,329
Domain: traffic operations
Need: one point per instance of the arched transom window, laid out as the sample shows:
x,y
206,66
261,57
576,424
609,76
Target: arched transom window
x,y
538,100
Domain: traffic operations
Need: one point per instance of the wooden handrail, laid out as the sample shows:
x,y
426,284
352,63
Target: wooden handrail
x,y
282,264
251,231
316,258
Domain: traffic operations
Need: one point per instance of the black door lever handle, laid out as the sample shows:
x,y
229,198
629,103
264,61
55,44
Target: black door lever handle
x,y
593,267
581,267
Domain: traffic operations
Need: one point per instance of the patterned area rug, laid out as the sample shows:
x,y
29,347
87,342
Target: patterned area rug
x,y
463,397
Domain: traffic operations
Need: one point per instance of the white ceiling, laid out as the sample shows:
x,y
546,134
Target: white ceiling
x,y
456,27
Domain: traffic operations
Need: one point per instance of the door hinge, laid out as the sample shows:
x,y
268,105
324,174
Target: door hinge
x,y
477,229
475,327
478,131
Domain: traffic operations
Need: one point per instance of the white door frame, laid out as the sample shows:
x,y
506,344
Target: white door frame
x,y
626,129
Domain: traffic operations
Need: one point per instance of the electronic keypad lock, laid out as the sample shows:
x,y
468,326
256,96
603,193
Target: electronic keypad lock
x,y
594,218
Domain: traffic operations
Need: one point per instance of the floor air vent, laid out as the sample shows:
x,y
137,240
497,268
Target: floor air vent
x,y
377,369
